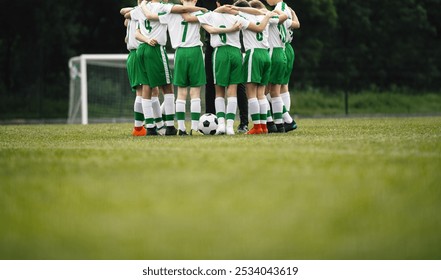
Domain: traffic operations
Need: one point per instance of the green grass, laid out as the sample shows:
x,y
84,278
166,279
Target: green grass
x,y
361,188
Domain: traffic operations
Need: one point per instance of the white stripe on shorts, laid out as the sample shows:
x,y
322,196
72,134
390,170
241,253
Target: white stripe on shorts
x,y
165,63
250,66
214,65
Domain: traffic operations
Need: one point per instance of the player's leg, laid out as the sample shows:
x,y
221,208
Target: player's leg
x,y
221,69
287,119
147,108
195,109
132,72
180,110
278,70
169,109
197,78
231,108
235,77
253,108
290,124
138,129
284,91
157,111
181,81
265,72
159,74
219,104
263,107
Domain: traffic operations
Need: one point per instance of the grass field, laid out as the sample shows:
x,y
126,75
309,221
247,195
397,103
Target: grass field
x,y
360,188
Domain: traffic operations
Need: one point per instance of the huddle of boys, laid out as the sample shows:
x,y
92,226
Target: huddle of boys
x,y
148,68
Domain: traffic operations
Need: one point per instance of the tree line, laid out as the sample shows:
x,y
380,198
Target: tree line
x,y
349,45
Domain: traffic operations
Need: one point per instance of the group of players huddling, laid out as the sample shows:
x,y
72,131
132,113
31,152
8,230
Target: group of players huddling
x,y
265,70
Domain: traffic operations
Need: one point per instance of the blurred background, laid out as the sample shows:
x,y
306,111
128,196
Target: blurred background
x,y
352,56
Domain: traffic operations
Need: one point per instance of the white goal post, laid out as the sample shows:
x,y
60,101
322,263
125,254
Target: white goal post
x,y
99,89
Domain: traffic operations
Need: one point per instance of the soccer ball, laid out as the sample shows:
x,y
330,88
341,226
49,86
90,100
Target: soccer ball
x,y
208,124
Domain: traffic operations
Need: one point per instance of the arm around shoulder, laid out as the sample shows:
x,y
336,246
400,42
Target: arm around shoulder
x,y
295,20
126,10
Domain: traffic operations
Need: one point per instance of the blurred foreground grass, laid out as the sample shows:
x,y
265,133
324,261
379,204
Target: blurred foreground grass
x,y
334,189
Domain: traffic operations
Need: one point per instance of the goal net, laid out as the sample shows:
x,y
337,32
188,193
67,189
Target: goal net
x,y
100,90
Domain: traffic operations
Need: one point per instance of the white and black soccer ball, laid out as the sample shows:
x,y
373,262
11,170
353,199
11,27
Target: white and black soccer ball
x,y
208,124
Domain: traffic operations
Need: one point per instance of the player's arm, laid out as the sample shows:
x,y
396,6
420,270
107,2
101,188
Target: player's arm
x,y
126,23
295,20
235,10
227,9
282,16
216,30
126,10
179,9
251,11
148,14
128,15
261,26
144,39
189,17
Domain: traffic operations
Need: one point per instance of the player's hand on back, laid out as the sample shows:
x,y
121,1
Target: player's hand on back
x,y
237,26
152,42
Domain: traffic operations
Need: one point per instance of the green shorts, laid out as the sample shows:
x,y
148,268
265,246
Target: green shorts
x,y
133,70
189,67
227,66
154,65
289,51
278,66
257,66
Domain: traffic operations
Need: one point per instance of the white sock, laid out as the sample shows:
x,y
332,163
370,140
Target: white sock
x,y
231,110
138,112
219,104
148,113
195,109
254,110
157,112
169,109
286,97
277,109
269,116
263,104
180,114
287,117
268,97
